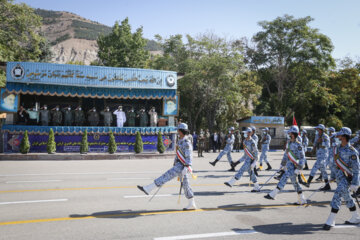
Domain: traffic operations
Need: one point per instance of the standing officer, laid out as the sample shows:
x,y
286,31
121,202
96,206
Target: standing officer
x,y
293,161
207,140
57,116
68,116
153,117
79,116
107,115
305,144
93,117
182,168
44,116
250,157
322,144
143,117
201,143
265,146
227,150
131,117
120,117
347,178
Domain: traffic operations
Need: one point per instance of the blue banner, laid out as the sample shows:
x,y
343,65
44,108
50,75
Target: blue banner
x,y
89,76
97,143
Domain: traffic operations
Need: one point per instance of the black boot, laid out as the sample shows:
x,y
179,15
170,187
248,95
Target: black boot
x,y
214,162
306,167
280,175
308,181
236,163
269,167
326,187
319,179
232,169
300,180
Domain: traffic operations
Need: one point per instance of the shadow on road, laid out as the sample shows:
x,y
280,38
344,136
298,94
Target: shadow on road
x,y
288,228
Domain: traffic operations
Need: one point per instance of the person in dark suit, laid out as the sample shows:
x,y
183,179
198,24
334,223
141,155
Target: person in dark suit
x,y
215,140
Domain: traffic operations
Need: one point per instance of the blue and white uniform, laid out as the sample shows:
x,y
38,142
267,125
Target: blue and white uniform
x,y
265,147
228,148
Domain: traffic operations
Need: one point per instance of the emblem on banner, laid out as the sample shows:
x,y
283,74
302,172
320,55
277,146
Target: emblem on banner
x,y
170,80
17,72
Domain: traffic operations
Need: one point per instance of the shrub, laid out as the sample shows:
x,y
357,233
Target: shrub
x,y
160,143
84,147
25,144
112,147
138,143
51,144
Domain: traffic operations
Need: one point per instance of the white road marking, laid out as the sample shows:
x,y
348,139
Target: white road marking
x,y
111,179
208,235
149,196
34,201
88,173
37,181
347,226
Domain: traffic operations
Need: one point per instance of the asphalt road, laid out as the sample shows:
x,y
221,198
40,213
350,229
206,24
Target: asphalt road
x,y
99,200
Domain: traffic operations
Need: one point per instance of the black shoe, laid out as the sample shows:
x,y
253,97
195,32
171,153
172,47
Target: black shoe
x,y
269,167
306,167
141,188
319,179
227,184
267,196
327,227
350,223
326,188
232,169
214,162
278,177
236,163
255,190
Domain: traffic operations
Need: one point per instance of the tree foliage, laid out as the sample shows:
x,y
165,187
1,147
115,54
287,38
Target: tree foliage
x,y
291,60
122,48
84,146
160,144
112,146
20,39
216,89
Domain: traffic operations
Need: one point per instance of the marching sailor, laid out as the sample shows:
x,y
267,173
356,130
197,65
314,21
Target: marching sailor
x,y
227,150
305,144
293,161
355,142
347,178
254,136
321,144
250,157
181,168
265,143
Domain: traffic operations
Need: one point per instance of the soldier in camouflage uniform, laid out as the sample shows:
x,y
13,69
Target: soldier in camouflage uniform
x,y
79,116
207,140
68,116
107,115
201,143
56,116
143,117
181,168
347,178
45,116
93,117
131,117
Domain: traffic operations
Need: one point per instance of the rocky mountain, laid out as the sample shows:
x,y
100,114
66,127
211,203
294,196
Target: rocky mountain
x,y
73,38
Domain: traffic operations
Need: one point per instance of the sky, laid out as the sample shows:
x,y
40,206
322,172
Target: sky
x,y
338,19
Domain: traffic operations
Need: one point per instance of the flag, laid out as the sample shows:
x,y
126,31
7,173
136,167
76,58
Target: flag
x,y
294,120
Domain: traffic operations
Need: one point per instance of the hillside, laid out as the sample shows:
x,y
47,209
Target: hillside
x,y
73,38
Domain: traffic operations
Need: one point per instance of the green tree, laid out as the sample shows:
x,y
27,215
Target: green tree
x,y
51,144
84,146
122,48
138,148
216,88
160,144
112,147
20,37
25,143
291,59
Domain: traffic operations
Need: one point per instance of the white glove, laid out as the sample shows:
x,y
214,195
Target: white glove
x,y
353,188
184,171
297,171
253,165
